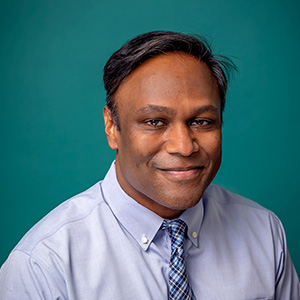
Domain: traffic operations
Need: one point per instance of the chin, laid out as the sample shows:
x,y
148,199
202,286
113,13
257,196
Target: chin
x,y
181,203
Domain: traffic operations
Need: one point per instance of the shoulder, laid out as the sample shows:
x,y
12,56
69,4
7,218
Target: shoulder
x,y
233,214
225,197
239,210
73,212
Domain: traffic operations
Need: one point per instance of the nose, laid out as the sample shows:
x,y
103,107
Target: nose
x,y
180,140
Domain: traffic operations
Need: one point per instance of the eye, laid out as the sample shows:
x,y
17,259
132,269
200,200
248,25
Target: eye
x,y
155,123
200,122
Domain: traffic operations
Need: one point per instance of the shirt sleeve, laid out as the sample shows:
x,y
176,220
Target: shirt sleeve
x,y
287,284
22,277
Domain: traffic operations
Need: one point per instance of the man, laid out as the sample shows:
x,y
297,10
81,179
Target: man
x,y
155,228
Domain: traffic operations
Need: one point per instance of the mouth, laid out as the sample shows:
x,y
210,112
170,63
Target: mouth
x,y
182,173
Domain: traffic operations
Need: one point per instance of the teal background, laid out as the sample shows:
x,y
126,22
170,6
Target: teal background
x,y
52,140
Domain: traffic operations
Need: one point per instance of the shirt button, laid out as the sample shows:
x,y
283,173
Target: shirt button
x,y
144,239
194,234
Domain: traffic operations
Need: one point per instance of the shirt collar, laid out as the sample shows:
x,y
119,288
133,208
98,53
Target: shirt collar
x,y
193,218
139,221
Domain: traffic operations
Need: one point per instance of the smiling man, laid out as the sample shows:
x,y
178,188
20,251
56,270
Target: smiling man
x,y
169,141
155,227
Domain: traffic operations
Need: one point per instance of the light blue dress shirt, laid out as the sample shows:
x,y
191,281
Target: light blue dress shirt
x,y
102,244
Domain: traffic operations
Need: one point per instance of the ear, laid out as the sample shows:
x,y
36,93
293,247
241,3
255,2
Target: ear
x,y
110,129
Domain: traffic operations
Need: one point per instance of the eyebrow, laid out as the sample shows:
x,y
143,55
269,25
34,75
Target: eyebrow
x,y
156,108
205,108
170,111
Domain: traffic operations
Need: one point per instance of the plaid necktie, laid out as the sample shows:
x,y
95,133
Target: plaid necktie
x,y
179,288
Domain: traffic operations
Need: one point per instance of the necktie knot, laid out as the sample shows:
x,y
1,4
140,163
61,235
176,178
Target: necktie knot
x,y
177,230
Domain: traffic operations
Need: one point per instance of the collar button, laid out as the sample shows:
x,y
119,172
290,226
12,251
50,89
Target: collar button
x,y
144,239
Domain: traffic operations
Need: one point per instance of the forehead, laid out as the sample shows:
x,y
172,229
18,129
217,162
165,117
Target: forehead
x,y
170,76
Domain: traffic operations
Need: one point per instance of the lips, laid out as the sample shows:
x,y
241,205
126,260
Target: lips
x,y
181,173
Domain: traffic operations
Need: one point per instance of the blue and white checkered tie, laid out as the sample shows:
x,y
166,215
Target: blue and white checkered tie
x,y
179,288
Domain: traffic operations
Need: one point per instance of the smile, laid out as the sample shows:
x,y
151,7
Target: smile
x,y
182,174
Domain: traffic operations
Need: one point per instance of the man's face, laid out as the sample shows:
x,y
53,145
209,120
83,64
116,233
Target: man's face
x,y
169,146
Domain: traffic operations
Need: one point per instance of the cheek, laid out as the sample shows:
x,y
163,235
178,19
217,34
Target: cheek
x,y
212,145
138,149
145,145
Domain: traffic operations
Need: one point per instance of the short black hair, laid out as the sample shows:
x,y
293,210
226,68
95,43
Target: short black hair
x,y
151,44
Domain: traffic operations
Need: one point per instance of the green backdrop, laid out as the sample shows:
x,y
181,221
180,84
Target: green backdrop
x,y
52,140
